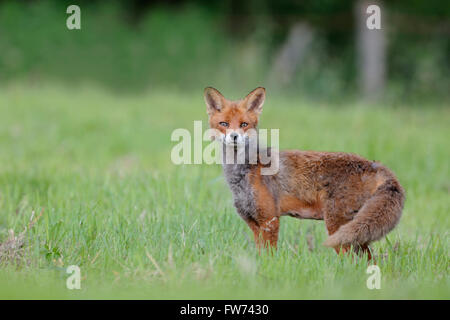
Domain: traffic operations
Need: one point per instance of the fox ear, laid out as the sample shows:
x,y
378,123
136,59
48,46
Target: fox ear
x,y
255,100
214,100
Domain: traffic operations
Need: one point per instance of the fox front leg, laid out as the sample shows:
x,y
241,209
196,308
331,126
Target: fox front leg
x,y
265,231
269,232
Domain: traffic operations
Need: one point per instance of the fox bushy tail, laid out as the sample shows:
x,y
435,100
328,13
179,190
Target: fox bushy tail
x,y
378,216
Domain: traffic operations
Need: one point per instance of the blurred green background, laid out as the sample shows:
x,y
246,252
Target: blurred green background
x,y
86,118
184,45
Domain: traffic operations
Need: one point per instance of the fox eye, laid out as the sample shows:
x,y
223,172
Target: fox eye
x,y
223,124
244,124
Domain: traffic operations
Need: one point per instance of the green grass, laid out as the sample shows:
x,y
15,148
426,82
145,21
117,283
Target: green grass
x,y
97,165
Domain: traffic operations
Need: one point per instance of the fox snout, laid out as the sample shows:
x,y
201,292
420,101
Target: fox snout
x,y
235,138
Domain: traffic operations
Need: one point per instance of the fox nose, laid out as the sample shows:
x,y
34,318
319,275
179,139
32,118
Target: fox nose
x,y
234,136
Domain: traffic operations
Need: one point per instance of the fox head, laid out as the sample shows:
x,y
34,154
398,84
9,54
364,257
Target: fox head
x,y
234,122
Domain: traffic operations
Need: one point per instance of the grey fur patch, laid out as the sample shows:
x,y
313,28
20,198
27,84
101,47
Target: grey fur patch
x,y
238,181
375,165
237,177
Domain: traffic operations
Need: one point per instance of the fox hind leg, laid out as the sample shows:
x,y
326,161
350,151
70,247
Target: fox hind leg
x,y
363,249
334,220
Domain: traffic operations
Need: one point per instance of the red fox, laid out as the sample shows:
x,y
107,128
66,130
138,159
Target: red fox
x,y
359,200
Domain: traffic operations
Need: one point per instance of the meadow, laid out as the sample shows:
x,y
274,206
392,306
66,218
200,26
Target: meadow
x,y
86,179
